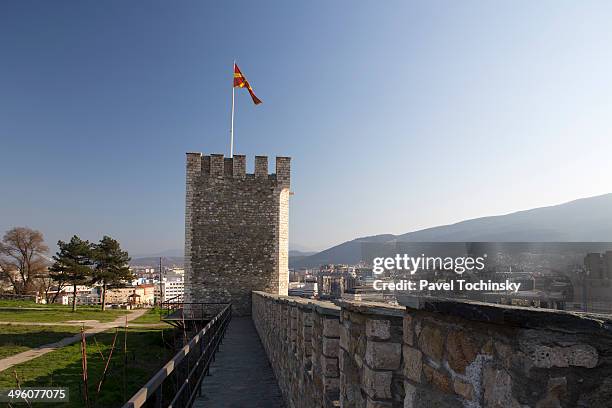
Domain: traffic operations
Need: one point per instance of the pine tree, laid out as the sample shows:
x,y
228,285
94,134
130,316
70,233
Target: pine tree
x,y
72,264
110,266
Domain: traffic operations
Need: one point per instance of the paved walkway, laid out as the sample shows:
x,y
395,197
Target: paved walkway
x,y
241,376
95,328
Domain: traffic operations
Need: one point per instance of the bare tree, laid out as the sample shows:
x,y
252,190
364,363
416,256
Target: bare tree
x,y
21,258
50,288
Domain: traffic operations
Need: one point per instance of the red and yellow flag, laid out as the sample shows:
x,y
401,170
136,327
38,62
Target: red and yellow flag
x,y
240,81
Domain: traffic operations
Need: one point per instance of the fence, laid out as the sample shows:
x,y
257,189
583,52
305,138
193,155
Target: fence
x,y
178,382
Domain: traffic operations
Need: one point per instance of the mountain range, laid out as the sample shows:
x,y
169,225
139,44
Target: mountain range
x,y
174,257
582,220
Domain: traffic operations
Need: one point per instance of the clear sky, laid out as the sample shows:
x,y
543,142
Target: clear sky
x,y
399,115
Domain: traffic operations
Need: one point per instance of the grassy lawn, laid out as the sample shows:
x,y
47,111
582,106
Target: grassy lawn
x,y
55,314
15,339
20,303
146,354
29,304
152,316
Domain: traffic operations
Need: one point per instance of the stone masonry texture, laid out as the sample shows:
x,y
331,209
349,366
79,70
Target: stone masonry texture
x,y
236,229
446,354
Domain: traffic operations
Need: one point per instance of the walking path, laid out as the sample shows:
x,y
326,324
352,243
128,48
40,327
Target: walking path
x,y
241,375
95,327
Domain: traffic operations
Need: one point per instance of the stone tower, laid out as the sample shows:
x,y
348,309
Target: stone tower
x,y
236,229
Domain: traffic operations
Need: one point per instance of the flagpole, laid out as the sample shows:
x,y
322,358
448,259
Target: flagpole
x,y
232,126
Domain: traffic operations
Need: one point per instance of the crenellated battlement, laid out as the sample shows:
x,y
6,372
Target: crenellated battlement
x,y
218,166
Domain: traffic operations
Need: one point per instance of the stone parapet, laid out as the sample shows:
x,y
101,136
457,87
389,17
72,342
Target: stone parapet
x,y
433,352
464,353
301,338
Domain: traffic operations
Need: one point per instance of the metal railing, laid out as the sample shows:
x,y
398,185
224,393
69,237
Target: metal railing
x,y
179,313
170,305
178,383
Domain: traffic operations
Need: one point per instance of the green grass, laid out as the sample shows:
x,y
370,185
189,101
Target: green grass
x,y
62,368
54,314
30,304
19,303
15,338
152,316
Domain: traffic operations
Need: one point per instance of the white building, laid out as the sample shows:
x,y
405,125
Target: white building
x,y
178,271
171,287
303,289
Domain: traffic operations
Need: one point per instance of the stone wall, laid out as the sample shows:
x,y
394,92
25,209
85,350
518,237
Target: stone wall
x,y
302,340
236,229
433,354
474,354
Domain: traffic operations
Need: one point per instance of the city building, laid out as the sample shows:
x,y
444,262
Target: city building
x,y
171,287
334,280
142,295
594,264
306,289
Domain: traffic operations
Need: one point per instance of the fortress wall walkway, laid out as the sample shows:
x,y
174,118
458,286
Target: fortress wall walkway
x,y
241,375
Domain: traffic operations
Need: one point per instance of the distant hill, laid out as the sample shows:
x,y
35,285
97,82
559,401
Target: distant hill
x,y
296,256
293,252
153,261
167,252
586,219
348,252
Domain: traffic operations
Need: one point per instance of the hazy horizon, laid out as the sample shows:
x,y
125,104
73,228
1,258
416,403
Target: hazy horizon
x,y
301,248
397,118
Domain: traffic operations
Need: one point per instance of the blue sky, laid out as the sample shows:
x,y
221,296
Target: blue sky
x,y
398,115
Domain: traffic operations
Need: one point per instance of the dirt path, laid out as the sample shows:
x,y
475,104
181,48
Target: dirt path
x,y
47,348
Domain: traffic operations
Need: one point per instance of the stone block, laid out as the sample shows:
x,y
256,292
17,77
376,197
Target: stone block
x,y
331,347
329,366
497,385
308,349
383,356
350,395
344,336
437,378
408,330
378,329
377,384
464,389
580,355
344,361
358,361
331,327
331,385
431,342
410,399
413,363
307,318
307,333
461,350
